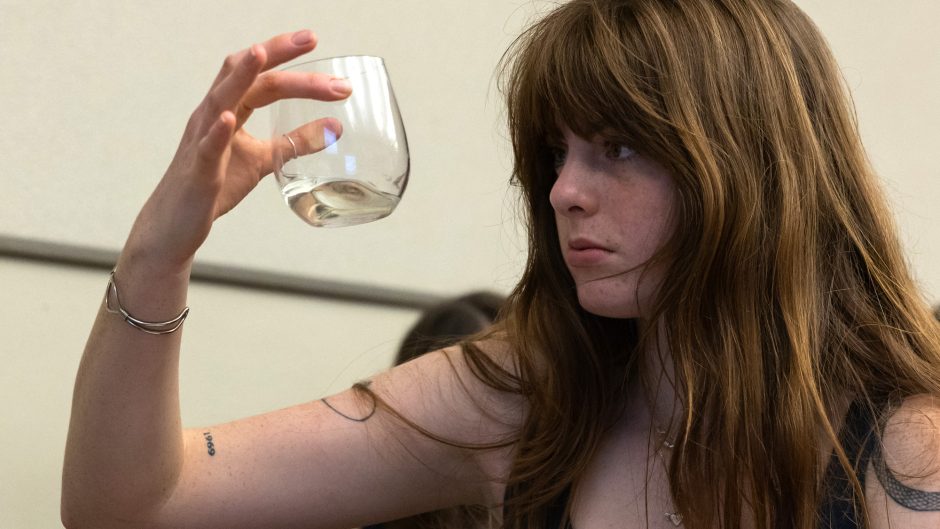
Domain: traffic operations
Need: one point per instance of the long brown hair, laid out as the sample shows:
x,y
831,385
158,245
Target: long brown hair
x,y
786,294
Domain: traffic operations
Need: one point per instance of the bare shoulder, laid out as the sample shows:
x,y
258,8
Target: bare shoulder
x,y
456,394
911,442
903,485
460,392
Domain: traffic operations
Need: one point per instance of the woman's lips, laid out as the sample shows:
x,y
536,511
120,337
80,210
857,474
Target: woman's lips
x,y
582,252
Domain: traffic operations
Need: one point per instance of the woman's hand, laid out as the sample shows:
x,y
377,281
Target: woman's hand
x,y
217,163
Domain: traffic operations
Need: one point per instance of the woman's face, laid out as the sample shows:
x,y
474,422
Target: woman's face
x,y
612,207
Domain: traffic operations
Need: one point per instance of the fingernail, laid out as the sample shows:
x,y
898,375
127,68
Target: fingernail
x,y
302,37
341,86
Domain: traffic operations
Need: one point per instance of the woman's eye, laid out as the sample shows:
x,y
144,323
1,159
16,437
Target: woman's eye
x,y
615,151
558,157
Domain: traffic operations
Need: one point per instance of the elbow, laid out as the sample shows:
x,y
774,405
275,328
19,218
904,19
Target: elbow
x,y
69,508
75,509
70,521
98,503
75,515
82,511
74,519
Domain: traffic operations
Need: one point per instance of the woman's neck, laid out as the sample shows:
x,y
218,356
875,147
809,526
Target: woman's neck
x,y
653,394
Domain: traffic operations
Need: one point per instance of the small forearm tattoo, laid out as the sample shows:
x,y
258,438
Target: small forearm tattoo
x,y
210,444
911,498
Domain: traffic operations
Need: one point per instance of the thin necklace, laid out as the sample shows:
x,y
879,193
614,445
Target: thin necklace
x,y
673,516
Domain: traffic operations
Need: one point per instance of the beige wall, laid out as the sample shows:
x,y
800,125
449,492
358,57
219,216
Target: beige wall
x,y
245,353
888,54
96,93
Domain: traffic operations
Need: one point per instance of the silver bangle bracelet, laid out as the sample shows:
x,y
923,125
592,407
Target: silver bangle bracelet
x,y
149,327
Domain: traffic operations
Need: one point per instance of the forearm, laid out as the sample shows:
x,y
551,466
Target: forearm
x,y
124,449
124,454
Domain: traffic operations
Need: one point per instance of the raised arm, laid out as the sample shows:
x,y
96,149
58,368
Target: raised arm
x,y
130,463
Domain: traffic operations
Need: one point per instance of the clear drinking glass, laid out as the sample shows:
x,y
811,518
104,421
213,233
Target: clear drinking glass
x,y
358,176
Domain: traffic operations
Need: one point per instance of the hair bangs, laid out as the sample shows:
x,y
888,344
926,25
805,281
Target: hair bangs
x,y
578,69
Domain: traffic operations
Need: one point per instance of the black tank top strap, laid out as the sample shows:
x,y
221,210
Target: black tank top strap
x,y
556,518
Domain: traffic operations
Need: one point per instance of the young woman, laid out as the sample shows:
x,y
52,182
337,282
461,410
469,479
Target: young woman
x,y
715,326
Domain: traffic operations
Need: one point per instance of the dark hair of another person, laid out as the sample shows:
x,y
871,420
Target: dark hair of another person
x,y
449,322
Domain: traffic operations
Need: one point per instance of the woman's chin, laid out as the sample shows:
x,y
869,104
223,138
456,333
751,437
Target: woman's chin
x,y
609,308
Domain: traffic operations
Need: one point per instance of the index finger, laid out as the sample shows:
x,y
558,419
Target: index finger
x,y
287,46
280,49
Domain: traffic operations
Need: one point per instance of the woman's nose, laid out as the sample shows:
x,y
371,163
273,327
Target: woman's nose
x,y
572,193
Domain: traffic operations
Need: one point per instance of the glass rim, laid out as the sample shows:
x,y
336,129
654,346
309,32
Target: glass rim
x,y
326,59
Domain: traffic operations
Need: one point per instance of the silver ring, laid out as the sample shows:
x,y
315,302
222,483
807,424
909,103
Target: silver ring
x,y
293,146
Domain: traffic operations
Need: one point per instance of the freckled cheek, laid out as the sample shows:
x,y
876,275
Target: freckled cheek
x,y
643,234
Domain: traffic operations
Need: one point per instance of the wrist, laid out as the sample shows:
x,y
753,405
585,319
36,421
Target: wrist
x,y
168,326
164,238
141,256
151,288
